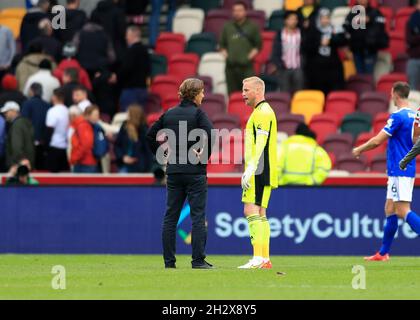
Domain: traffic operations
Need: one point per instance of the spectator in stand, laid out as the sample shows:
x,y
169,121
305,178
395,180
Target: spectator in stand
x,y
20,137
301,160
365,42
69,52
413,45
154,22
135,10
45,77
50,45
112,18
57,123
131,147
19,175
74,112
134,74
324,68
7,49
29,27
82,158
2,143
286,55
75,20
30,64
239,43
10,90
81,98
35,109
308,14
95,51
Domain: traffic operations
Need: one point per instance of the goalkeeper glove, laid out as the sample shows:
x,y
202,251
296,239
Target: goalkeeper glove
x,y
246,177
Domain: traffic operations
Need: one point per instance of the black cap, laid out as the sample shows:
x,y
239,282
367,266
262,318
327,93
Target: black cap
x,y
45,64
303,130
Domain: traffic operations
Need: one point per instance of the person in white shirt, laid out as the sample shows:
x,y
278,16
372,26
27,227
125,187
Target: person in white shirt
x,y
57,125
80,98
44,77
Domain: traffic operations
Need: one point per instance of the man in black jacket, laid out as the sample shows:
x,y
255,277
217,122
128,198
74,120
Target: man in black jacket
x,y
186,151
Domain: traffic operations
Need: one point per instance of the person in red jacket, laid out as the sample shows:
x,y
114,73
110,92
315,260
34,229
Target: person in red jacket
x,y
81,157
69,52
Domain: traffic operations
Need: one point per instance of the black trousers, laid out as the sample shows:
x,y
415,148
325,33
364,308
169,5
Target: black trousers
x,y
180,187
57,160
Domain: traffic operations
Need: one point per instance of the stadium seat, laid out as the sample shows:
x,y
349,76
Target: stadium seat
x,y
383,65
348,162
152,118
332,4
221,87
213,104
169,101
183,65
227,4
360,83
276,20
356,123
212,64
333,159
386,82
340,103
165,85
169,43
268,6
17,12
308,103
153,104
288,122
220,167
397,44
388,14
226,121
201,43
265,53
338,143
237,106
205,5
396,4
379,122
366,136
12,23
159,65
258,17
279,101
402,16
188,21
378,163
208,84
323,125
417,164
373,103
338,16
414,99
400,63
292,4
215,20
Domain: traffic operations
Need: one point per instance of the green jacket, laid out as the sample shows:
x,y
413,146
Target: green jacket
x,y
239,40
20,142
302,161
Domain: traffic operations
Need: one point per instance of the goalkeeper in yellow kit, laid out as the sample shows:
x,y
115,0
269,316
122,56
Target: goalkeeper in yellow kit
x,y
260,175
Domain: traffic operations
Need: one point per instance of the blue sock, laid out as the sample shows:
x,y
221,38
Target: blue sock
x,y
390,229
414,221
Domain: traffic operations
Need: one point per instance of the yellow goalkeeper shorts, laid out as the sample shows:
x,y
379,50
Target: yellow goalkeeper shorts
x,y
258,193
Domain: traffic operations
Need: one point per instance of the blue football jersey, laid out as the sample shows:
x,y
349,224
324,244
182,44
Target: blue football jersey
x,y
400,128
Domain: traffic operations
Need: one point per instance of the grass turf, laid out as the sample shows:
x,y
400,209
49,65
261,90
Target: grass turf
x,y
142,277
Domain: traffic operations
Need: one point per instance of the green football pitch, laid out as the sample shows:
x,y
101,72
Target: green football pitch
x,y
142,277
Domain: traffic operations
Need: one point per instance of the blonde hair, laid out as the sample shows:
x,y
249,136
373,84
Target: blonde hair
x,y
136,119
256,82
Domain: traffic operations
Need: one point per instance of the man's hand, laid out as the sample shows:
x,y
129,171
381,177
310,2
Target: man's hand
x,y
403,165
252,54
356,152
198,153
224,53
129,160
246,177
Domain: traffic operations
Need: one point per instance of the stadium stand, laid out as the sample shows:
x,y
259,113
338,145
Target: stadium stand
x,y
308,103
201,43
340,103
288,122
188,21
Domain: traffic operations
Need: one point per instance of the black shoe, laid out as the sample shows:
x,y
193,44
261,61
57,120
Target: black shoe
x,y
203,265
170,266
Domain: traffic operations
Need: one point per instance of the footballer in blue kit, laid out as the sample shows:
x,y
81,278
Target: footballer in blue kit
x,y
400,131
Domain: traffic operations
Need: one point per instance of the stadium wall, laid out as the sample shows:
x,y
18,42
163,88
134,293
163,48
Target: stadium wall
x,y
330,220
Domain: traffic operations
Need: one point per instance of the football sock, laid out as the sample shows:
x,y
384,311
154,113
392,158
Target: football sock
x,y
255,232
390,229
414,221
265,238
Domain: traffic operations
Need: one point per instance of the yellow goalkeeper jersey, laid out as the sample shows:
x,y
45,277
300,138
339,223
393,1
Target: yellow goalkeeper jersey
x,y
261,143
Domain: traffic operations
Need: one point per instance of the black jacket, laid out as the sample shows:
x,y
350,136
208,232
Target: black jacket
x,y
29,27
189,115
35,109
75,20
372,38
135,67
50,46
